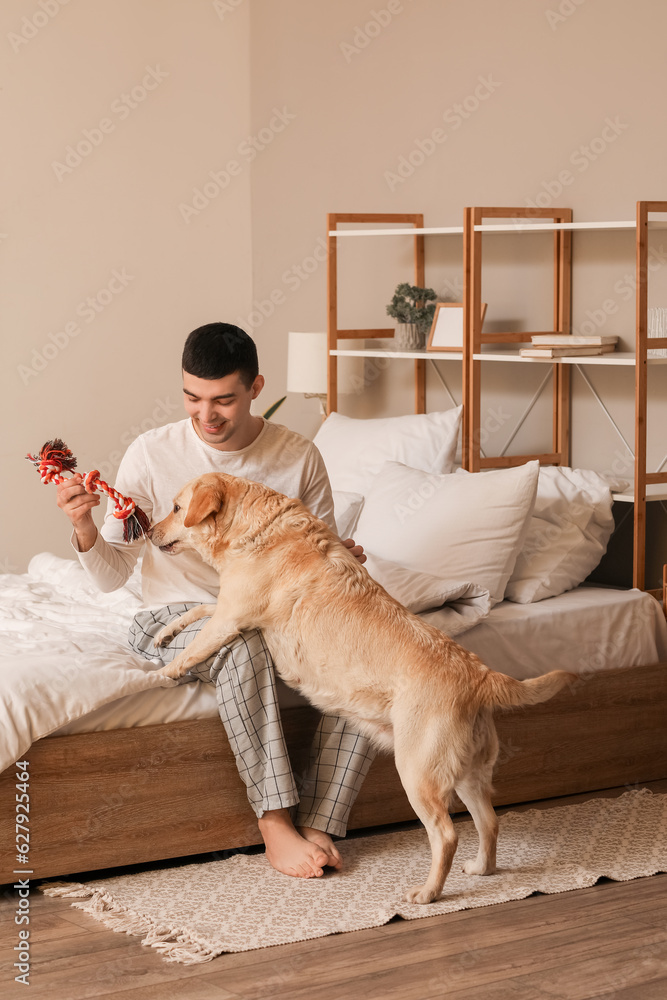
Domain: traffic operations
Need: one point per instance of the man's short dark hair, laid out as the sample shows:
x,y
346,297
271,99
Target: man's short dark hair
x,y
219,349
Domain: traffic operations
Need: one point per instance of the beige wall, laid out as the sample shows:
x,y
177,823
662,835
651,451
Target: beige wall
x,y
339,96
115,369
550,101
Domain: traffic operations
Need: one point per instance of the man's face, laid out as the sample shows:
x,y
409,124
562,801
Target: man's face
x,y
220,409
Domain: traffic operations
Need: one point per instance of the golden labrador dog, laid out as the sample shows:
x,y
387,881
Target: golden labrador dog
x,y
352,650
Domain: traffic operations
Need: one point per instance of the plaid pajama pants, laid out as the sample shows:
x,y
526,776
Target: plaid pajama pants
x,y
244,676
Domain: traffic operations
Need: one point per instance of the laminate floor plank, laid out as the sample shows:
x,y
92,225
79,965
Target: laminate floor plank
x,y
624,969
520,918
442,964
402,943
609,940
189,990
104,973
656,990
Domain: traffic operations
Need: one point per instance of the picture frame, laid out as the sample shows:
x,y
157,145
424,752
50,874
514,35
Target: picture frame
x,y
446,333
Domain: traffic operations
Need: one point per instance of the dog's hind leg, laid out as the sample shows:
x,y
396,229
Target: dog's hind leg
x,y
474,790
425,779
475,793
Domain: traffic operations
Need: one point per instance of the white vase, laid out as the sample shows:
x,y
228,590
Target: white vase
x,y
410,337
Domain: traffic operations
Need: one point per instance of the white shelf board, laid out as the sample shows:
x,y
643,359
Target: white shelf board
x,y
380,353
626,358
432,231
654,491
549,227
519,227
552,227
614,358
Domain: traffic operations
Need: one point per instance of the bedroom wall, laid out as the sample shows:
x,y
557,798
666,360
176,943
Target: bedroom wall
x,y
317,107
429,106
115,113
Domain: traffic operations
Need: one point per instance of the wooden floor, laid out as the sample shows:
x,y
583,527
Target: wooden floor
x,y
606,941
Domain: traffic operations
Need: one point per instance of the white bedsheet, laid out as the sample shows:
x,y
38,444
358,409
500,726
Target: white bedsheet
x,y
63,652
65,664
585,630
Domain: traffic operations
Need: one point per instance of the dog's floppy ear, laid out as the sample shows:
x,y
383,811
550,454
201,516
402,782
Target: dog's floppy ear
x,y
205,500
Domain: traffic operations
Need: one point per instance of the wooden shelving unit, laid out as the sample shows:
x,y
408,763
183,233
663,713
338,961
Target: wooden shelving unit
x,y
334,333
648,486
553,219
643,478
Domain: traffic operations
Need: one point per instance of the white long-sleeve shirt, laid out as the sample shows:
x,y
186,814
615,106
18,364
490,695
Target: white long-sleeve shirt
x,y
153,470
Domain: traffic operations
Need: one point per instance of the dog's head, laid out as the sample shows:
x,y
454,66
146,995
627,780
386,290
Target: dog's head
x,y
217,511
192,519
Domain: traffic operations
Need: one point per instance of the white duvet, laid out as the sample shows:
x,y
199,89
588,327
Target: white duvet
x,y
64,652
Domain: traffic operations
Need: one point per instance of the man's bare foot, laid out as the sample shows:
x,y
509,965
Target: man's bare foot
x,y
287,851
325,842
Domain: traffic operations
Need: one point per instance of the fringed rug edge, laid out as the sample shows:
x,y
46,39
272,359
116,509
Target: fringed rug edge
x,y
175,945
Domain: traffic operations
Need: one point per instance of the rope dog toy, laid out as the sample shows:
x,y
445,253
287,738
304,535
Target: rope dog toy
x,y
55,457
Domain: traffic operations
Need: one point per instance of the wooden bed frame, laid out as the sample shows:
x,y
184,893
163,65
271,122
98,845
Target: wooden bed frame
x,y
103,800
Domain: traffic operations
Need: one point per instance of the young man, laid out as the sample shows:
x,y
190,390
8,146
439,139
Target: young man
x,y
220,380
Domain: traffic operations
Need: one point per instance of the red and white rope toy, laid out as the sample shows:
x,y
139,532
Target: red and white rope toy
x,y
55,457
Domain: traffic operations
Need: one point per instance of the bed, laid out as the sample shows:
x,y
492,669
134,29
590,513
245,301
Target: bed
x,y
125,767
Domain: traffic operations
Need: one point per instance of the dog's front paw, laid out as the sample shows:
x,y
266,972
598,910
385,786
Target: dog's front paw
x,y
172,670
165,635
421,894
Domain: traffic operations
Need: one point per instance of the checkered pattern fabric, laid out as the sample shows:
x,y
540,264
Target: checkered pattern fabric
x,y
244,676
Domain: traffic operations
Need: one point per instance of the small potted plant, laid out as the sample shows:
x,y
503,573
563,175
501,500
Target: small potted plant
x,y
413,308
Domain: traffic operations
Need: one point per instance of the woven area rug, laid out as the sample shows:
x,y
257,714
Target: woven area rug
x,y
194,912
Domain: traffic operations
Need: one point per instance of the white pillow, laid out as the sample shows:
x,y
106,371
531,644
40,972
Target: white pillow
x,y
467,527
421,592
354,450
347,507
567,535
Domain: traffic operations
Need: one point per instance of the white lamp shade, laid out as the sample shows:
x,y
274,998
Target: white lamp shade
x,y
307,363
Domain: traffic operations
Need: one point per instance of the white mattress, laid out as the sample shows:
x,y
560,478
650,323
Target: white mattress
x,y
194,700
584,630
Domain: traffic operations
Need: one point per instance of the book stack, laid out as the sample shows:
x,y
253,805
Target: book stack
x,y
564,345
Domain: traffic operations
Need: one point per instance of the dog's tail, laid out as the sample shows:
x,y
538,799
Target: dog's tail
x,y
501,691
